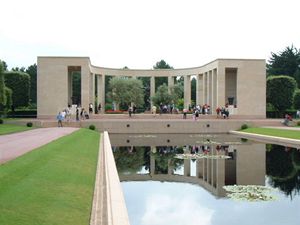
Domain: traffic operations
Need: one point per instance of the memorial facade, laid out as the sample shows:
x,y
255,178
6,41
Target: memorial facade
x,y
238,83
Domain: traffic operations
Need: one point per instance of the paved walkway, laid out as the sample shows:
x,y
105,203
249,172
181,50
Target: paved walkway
x,y
17,144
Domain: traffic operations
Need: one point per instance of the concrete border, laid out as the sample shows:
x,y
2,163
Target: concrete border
x,y
109,206
268,139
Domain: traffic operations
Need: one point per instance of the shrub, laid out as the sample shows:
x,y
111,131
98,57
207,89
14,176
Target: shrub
x,y
244,126
298,123
29,124
1,121
92,127
244,140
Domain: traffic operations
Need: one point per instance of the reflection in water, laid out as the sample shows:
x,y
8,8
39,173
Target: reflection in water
x,y
250,163
283,169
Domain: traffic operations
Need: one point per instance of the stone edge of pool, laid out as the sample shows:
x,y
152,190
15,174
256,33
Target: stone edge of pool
x,y
268,139
109,206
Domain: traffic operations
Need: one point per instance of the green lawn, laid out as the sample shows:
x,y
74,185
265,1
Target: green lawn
x,y
294,134
12,128
52,185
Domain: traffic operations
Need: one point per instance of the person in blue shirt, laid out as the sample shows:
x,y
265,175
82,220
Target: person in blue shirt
x,y
59,118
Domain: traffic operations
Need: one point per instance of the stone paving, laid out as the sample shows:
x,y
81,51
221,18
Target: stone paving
x,y
17,144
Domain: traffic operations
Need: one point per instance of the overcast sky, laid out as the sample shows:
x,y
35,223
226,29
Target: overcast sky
x,y
138,33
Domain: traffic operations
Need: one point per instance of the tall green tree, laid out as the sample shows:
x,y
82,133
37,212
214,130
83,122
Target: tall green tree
x,y
32,71
2,89
280,92
126,91
19,83
286,62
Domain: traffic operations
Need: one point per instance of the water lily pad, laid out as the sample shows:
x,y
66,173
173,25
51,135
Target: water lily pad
x,y
250,193
200,156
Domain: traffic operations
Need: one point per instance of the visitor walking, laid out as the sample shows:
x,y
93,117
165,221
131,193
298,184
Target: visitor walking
x,y
184,113
130,110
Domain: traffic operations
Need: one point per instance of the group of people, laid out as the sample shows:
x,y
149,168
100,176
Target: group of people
x,y
81,114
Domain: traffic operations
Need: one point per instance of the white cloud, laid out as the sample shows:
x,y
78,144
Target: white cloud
x,y
165,209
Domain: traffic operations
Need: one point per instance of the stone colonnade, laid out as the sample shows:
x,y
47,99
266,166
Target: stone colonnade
x,y
217,82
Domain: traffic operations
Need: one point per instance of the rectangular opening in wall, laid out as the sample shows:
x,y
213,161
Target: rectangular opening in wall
x,y
231,86
74,81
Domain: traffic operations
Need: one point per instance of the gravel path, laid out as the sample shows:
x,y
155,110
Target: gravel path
x,y
17,144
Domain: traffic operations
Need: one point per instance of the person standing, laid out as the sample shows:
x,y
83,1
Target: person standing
x,y
77,114
130,110
59,118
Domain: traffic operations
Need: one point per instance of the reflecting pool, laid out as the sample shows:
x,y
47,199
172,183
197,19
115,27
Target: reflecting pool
x,y
160,188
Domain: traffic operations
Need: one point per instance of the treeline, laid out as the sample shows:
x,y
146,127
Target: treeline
x,y
17,88
283,82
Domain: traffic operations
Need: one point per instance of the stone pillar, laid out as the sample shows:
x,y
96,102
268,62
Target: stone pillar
x,y
187,91
215,91
205,88
152,88
187,167
85,87
210,94
170,83
199,169
152,160
199,90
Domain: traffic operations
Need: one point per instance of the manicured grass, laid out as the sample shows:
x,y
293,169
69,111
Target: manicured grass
x,y
52,185
294,134
12,128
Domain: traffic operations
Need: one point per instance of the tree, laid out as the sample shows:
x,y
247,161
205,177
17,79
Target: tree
x,y
297,99
17,69
280,91
2,89
162,65
176,92
162,95
286,62
19,83
126,91
4,65
32,71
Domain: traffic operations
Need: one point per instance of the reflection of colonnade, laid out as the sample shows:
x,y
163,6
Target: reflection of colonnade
x,y
218,83
247,167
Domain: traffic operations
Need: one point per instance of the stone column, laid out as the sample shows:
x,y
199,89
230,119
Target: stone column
x,y
170,83
199,90
215,91
187,167
152,160
85,87
209,89
187,91
152,88
199,168
205,88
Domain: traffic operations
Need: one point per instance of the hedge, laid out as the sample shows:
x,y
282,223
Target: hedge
x,y
30,113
